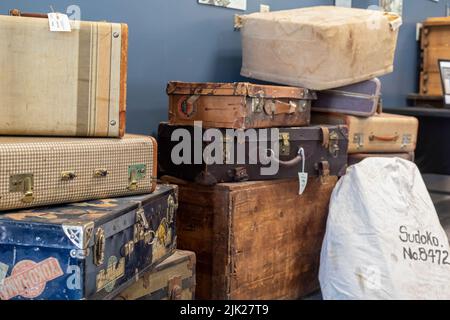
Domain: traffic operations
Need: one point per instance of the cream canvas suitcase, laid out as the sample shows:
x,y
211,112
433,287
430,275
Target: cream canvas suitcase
x,y
45,171
62,83
318,47
379,133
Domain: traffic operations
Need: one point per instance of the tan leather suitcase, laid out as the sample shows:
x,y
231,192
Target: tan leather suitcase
x,y
320,47
254,240
62,83
238,105
44,171
172,279
380,133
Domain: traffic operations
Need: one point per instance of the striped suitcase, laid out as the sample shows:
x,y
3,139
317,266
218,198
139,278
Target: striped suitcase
x,y
62,83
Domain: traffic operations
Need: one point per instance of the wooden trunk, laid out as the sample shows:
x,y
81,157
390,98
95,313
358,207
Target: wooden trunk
x,y
62,83
238,105
255,240
172,279
435,46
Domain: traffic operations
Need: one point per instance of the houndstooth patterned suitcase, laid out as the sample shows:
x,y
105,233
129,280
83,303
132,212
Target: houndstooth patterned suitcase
x,y
45,171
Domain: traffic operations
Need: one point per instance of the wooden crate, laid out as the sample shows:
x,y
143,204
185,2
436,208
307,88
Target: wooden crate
x,y
435,45
255,240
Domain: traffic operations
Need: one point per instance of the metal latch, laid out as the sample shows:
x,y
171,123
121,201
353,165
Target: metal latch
x,y
334,144
136,173
99,247
22,183
100,173
172,207
128,249
258,102
358,139
68,175
285,144
142,230
407,140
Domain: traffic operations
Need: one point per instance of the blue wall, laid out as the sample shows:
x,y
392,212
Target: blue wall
x,y
169,40
182,40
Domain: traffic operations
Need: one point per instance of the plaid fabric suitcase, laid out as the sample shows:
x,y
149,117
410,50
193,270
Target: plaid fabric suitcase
x,y
361,99
172,279
47,171
62,83
238,105
91,250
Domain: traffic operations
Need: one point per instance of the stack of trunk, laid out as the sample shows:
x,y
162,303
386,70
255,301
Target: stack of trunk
x,y
258,233
230,210
69,88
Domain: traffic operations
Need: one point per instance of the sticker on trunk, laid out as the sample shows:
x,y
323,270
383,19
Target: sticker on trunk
x,y
28,279
107,278
3,272
187,106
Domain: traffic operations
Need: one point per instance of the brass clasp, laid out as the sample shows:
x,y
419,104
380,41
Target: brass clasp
x,y
135,174
68,175
285,145
22,183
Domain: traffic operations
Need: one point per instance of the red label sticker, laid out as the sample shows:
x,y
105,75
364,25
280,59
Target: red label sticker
x,y
28,278
187,107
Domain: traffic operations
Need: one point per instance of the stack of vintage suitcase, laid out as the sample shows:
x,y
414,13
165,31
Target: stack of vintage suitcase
x,y
258,233
73,85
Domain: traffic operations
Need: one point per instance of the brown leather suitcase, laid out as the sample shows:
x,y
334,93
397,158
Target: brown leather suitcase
x,y
325,153
254,240
238,105
381,133
357,158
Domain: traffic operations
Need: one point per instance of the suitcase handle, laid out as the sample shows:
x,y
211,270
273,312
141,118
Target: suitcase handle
x,y
279,107
18,13
385,139
291,163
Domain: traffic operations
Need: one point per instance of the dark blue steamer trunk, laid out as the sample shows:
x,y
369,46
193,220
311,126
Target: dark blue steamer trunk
x,y
89,250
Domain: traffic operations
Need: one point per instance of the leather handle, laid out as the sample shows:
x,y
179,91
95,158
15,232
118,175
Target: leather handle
x,y
291,163
279,107
385,138
18,13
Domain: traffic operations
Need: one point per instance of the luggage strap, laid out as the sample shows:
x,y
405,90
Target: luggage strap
x,y
326,137
18,13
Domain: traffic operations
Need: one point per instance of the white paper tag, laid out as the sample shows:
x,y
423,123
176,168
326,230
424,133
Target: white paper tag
x,y
303,181
59,22
3,271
